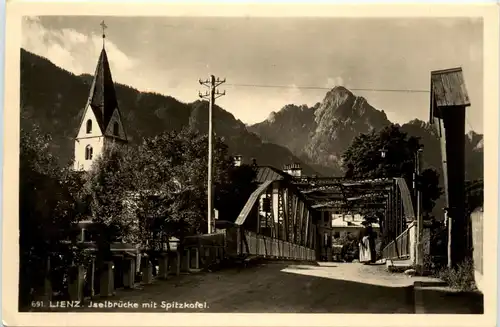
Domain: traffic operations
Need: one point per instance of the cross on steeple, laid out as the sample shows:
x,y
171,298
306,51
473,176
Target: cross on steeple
x,y
103,32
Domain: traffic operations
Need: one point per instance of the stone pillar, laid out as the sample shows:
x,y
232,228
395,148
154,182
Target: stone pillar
x,y
175,263
92,277
196,258
163,271
147,272
107,280
76,280
329,254
413,242
211,256
220,254
426,240
207,258
185,261
129,273
47,284
44,293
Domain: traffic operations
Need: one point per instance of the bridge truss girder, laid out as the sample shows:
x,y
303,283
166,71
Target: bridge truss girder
x,y
384,197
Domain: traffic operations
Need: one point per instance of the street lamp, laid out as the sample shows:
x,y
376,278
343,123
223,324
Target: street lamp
x,y
383,154
382,222
420,220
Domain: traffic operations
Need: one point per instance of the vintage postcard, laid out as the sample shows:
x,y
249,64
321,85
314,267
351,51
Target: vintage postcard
x,y
244,164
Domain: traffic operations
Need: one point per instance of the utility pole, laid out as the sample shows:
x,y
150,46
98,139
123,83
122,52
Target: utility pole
x,y
212,83
420,219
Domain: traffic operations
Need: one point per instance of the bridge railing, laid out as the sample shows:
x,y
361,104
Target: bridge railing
x,y
402,246
265,246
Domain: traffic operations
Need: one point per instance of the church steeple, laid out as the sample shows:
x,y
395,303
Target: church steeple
x,y
102,98
101,123
103,34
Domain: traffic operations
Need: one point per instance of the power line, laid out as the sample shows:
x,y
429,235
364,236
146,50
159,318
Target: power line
x,y
327,88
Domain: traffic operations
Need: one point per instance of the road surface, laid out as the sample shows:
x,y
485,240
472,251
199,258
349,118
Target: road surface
x,y
273,287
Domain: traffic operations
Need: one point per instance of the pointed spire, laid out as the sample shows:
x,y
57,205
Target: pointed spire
x,y
103,25
102,98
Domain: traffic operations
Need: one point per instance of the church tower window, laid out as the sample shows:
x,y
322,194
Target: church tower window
x,y
116,129
89,126
88,152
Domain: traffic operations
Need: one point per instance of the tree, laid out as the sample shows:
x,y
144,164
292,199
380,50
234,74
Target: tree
x,y
107,188
233,194
430,190
474,195
363,159
170,188
48,211
147,194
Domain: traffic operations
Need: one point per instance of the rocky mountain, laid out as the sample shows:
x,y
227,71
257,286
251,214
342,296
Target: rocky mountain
x,y
340,118
320,134
432,149
313,136
54,99
291,120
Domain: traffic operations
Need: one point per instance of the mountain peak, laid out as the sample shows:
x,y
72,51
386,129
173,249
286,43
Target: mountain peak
x,y
340,90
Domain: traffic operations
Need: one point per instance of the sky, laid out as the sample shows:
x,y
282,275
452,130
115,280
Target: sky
x,y
270,62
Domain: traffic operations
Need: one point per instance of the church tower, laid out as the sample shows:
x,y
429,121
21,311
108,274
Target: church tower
x,y
101,123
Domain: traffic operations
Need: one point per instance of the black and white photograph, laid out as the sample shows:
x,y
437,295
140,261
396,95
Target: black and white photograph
x,y
252,163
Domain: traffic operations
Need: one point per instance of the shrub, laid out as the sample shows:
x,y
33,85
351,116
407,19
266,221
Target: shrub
x,y
461,277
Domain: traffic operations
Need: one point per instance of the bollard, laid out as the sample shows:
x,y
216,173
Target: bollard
x,y
76,280
175,267
147,272
211,256
107,286
185,261
218,257
196,259
45,293
206,257
129,273
163,273
329,255
92,277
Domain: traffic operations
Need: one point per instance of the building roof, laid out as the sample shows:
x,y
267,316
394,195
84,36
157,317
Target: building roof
x,y
267,173
251,202
102,97
339,222
448,88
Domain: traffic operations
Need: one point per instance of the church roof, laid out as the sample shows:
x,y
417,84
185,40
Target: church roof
x,y
102,98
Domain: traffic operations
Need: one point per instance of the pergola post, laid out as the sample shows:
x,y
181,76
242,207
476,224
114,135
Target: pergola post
x,y
448,102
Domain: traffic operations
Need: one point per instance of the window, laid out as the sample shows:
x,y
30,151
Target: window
x,y
89,126
88,152
266,205
116,129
